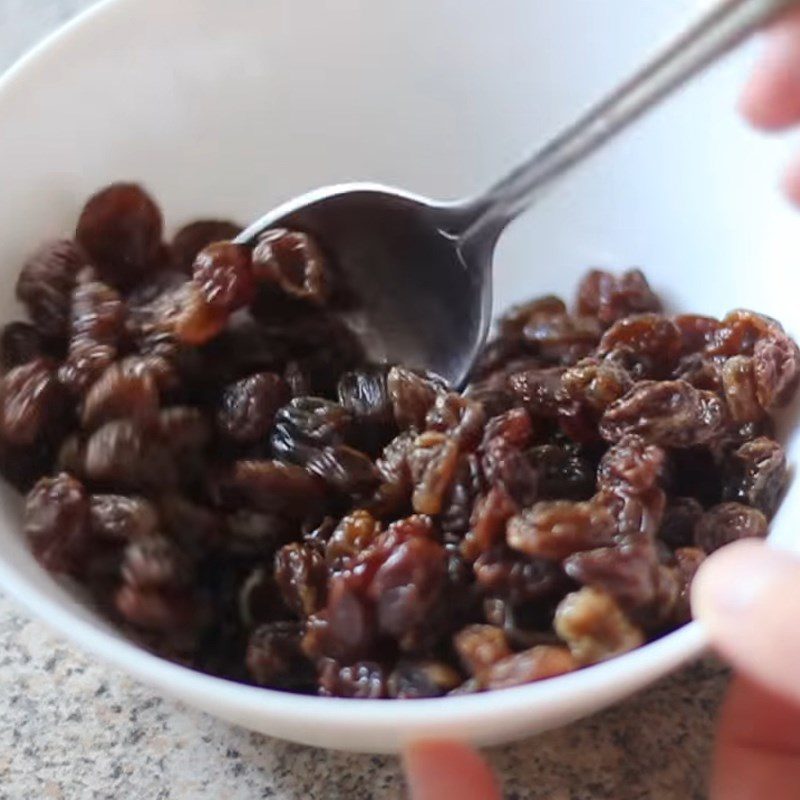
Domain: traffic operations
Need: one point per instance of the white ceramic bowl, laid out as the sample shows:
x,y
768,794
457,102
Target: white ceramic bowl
x,y
229,108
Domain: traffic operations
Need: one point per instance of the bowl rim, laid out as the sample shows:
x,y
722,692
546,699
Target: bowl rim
x,y
631,670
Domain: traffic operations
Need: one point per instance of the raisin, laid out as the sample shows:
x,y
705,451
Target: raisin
x,y
432,463
275,658
273,486
345,470
347,630
352,535
122,454
20,343
628,572
739,385
479,647
464,489
412,396
56,522
513,322
488,523
668,413
294,263
738,333
556,529
415,679
654,341
154,563
756,475
562,339
405,590
120,228
594,627
197,321
300,574
254,533
517,578
223,272
45,285
307,423
514,427
259,600
680,518
195,236
610,297
124,390
539,390
634,514
696,331
122,518
536,664
248,407
165,611
364,393
195,527
776,368
96,325
33,403
508,467
460,418
726,523
631,465
363,680
595,383
701,371
687,562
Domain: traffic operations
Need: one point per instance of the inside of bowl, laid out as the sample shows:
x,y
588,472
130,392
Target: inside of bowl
x,y
438,98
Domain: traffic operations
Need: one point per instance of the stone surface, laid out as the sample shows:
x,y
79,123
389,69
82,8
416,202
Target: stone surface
x,y
71,728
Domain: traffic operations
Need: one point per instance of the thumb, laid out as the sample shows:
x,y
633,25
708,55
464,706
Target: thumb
x,y
747,596
443,770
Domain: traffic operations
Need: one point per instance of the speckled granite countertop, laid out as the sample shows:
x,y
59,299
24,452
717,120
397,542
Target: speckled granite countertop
x,y
71,728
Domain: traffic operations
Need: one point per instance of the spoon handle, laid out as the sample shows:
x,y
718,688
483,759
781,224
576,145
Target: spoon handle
x,y
725,24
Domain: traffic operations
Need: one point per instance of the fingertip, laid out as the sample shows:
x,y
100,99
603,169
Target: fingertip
x,y
441,769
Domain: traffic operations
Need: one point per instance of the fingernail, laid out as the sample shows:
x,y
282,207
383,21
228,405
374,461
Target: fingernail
x,y
737,578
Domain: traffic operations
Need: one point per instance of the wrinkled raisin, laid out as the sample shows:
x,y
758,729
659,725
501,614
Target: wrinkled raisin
x,y
488,522
479,647
300,574
729,522
33,403
654,341
517,578
680,517
594,627
610,297
432,463
414,679
556,529
293,262
536,664
756,475
122,518
412,396
120,228
248,407
45,285
192,238
223,273
275,659
776,367
352,535
123,391
631,465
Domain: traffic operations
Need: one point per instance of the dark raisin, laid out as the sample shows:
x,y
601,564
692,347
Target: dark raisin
x,y
45,285
275,659
668,413
293,262
300,574
223,273
260,601
633,514
508,467
517,578
272,486
248,407
56,522
192,238
562,339
124,390
122,518
513,322
306,424
255,533
631,465
33,403
166,611
20,343
687,562
120,228
595,383
729,522
414,679
365,394
345,469
461,418
610,297
154,562
701,371
654,341
197,321
464,489
412,396
539,390
488,523
696,331
756,475
556,529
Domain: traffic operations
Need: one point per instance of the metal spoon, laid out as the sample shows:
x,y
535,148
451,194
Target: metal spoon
x,y
423,268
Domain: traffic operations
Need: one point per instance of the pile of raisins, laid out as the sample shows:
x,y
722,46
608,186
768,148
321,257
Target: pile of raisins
x,y
207,451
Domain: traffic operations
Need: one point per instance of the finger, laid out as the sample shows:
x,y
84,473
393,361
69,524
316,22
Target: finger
x,y
771,98
758,746
747,597
791,180
441,770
